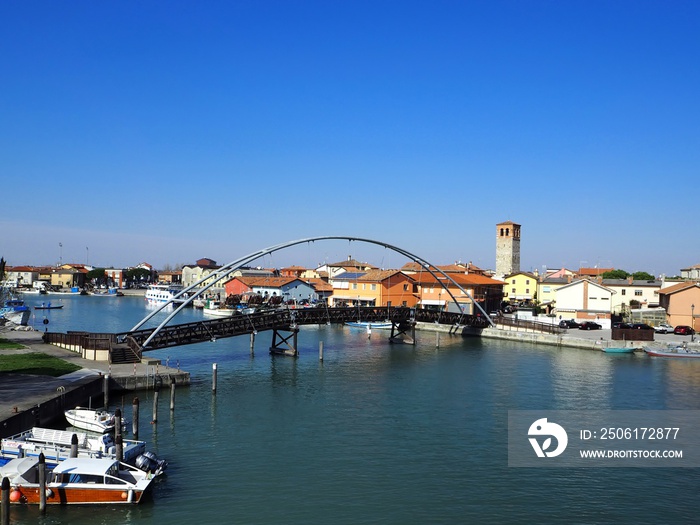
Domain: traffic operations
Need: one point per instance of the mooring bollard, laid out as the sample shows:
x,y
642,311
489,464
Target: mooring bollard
x,y
155,406
135,418
172,394
5,519
213,379
74,446
105,390
320,350
119,444
42,483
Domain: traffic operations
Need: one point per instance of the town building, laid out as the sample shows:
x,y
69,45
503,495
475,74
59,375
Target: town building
x,y
507,249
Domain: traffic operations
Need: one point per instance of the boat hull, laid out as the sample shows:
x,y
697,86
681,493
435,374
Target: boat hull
x,y
619,350
58,494
90,420
380,325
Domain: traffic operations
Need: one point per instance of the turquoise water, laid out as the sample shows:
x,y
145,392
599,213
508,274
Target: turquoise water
x,y
381,433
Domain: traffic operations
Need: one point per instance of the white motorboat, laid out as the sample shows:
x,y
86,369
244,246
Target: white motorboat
x,y
92,420
56,447
163,293
77,481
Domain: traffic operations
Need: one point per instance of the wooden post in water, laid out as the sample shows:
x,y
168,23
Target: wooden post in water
x,y
42,483
105,390
119,442
135,418
320,350
213,379
155,406
437,339
172,394
74,446
117,422
5,519
252,343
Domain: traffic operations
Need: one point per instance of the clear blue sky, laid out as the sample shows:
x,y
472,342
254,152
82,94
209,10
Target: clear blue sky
x,y
170,131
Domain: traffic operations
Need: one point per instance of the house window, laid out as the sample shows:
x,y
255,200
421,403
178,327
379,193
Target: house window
x,y
624,292
638,293
405,287
527,290
354,286
546,289
513,281
373,286
512,291
527,281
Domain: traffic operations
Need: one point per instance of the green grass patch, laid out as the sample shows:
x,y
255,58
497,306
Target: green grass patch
x,y
9,345
35,363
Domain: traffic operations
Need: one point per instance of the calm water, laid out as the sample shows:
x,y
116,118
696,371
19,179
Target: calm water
x,y
385,434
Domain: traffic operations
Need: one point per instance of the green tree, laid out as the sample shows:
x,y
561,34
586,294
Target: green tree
x,y
642,276
616,274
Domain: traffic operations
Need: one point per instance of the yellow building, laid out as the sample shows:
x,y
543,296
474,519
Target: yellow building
x,y
519,286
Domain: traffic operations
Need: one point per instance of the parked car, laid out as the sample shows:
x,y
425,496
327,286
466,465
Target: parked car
x,y
641,326
683,330
663,328
621,325
589,325
568,324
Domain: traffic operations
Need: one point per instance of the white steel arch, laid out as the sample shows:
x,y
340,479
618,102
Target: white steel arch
x,y
225,271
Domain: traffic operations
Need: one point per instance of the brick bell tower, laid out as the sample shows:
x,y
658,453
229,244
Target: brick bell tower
x,y
507,249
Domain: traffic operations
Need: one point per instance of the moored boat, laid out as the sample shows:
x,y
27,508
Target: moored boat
x,y
56,447
619,349
368,325
162,293
77,481
99,421
15,311
48,306
681,350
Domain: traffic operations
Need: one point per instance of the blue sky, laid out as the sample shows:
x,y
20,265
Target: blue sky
x,y
170,131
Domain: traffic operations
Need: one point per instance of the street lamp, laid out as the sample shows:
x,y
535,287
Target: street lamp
x,y
692,323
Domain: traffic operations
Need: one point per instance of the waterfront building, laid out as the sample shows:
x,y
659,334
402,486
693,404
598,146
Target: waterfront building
x,y
584,300
682,304
486,291
289,288
520,286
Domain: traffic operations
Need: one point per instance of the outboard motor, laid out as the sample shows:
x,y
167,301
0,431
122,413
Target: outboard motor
x,y
149,462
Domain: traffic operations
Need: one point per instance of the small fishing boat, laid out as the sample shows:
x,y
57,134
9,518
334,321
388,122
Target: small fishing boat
x,y
56,447
369,325
619,349
48,306
681,350
99,421
77,481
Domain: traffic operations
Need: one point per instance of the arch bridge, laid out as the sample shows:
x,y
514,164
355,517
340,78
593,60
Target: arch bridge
x,y
138,339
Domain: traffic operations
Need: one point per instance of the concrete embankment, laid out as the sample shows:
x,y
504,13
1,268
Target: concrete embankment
x,y
31,400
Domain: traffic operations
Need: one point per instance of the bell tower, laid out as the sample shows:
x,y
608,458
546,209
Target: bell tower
x,y
507,249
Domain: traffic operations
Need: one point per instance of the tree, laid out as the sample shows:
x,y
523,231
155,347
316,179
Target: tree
x,y
615,274
642,276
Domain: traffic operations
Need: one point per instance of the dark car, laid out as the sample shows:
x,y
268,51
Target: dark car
x,y
589,325
683,330
568,324
621,325
641,326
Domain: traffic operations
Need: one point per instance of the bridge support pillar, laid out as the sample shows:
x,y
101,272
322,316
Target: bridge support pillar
x,y
403,332
281,345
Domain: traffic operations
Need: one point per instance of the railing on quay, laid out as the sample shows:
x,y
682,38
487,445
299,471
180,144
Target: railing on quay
x,y
527,324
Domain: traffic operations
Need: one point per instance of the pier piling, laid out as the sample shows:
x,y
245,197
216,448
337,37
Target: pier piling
x,y
213,379
117,422
5,519
320,350
155,406
252,343
74,446
172,395
42,483
105,390
135,418
119,445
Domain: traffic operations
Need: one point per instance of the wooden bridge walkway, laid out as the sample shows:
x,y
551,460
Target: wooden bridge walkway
x,y
129,346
